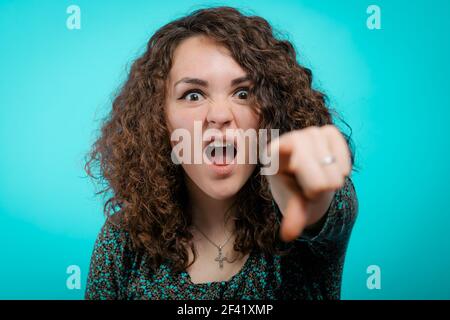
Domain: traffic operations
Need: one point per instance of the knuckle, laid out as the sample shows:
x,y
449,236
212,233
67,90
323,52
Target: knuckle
x,y
318,187
332,129
348,170
313,131
340,182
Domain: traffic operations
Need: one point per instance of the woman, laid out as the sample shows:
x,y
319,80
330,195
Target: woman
x,y
220,230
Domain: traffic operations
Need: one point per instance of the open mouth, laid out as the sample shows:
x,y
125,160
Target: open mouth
x,y
221,153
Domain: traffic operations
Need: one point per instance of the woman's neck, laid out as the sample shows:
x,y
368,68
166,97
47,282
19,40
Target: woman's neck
x,y
210,215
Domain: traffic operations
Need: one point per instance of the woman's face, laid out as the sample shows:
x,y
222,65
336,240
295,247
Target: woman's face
x,y
207,86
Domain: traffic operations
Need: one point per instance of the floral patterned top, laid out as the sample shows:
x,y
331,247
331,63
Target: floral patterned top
x,y
311,270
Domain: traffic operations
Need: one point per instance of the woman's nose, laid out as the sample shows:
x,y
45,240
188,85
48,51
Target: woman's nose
x,y
219,115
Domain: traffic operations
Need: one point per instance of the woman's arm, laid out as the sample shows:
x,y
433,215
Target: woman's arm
x,y
313,165
336,224
333,230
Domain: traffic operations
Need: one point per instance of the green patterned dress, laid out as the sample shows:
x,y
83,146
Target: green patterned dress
x,y
312,269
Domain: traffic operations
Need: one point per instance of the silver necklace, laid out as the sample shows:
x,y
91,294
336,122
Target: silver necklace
x,y
220,258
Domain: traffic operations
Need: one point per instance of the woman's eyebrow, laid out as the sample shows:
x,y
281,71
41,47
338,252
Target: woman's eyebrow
x,y
204,83
196,81
239,80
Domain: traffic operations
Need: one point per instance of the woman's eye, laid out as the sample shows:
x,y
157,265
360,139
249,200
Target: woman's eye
x,y
192,95
242,93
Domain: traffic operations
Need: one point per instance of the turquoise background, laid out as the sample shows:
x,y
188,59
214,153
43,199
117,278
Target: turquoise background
x,y
391,86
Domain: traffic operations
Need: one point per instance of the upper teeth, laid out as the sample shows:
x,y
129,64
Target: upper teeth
x,y
218,144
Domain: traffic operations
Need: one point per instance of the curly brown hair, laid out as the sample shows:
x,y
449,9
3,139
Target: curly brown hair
x,y
132,154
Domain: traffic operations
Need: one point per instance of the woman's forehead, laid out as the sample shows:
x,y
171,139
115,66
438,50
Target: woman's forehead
x,y
199,57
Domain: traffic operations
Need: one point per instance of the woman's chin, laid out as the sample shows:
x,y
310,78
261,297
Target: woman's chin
x,y
222,191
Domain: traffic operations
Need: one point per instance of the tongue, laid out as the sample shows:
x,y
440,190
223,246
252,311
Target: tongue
x,y
221,157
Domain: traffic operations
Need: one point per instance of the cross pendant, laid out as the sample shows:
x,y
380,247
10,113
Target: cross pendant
x,y
220,258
